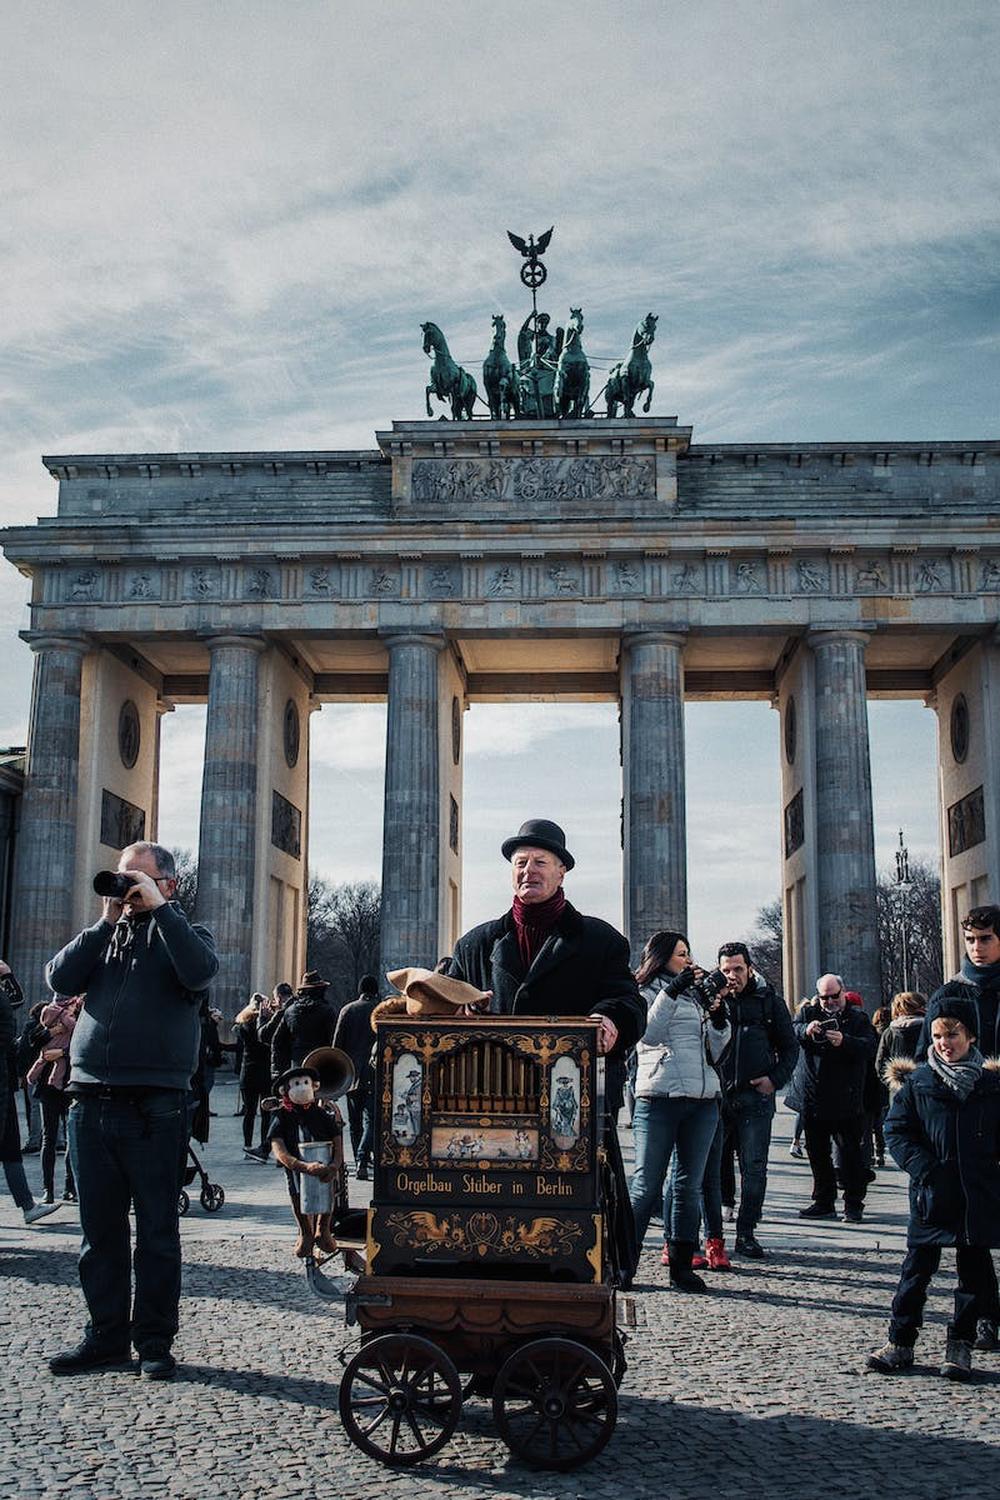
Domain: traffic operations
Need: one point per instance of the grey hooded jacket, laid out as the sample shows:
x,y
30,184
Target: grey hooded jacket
x,y
671,1057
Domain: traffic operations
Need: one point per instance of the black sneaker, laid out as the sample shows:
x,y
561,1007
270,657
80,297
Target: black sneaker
x,y
854,1215
156,1362
87,1356
817,1211
749,1247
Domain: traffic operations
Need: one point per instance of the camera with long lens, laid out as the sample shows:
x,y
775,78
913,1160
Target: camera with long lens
x,y
708,988
110,884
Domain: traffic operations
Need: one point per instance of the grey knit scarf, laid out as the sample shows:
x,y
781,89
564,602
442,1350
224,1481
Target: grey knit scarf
x,y
961,1077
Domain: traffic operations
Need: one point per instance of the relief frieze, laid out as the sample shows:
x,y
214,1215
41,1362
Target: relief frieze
x,y
481,480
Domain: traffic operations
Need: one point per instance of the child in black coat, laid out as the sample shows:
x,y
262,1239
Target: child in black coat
x,y
944,1130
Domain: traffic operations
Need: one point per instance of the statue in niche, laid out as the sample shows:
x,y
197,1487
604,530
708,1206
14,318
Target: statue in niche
x,y
142,587
626,576
382,582
686,580
562,580
928,577
442,581
990,577
259,585
319,580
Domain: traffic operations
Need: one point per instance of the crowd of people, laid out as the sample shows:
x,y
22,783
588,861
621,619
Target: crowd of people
x,y
123,1055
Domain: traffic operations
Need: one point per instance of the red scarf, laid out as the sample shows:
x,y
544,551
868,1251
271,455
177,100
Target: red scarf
x,y
534,921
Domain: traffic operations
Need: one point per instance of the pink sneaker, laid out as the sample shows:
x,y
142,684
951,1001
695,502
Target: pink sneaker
x,y
699,1261
665,1254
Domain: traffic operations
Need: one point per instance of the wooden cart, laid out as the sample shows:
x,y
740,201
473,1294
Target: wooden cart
x,y
488,1268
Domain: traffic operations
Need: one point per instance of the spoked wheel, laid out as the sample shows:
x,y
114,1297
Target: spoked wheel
x,y
183,1202
400,1398
213,1196
555,1403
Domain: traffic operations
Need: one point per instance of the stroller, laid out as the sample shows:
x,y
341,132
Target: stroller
x,y
212,1194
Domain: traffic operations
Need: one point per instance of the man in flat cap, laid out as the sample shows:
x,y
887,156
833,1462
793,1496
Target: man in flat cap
x,y
542,957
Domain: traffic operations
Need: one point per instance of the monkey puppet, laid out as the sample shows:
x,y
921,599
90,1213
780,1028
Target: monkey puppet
x,y
299,1118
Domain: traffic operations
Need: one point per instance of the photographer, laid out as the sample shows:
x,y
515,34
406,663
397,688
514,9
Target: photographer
x,y
760,1060
677,1093
143,968
837,1044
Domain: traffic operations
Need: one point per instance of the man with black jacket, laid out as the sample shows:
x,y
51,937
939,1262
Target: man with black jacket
x,y
144,970
837,1044
354,1036
544,958
306,1023
759,1061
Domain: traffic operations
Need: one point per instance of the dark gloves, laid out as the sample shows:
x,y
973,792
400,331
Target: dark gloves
x,y
680,982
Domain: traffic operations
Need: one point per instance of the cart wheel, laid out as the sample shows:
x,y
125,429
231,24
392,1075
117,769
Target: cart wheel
x,y
212,1197
183,1202
400,1398
555,1404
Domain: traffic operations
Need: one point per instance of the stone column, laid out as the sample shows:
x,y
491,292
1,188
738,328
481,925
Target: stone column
x,y
653,812
45,872
845,837
411,857
227,841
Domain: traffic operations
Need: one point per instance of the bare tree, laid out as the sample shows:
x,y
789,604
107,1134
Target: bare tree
x,y
909,926
344,932
186,866
765,943
909,930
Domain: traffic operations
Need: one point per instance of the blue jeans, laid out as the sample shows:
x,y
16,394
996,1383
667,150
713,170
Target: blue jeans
x,y
126,1153
711,1193
658,1126
747,1117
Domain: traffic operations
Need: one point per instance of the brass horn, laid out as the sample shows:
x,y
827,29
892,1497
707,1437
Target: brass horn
x,y
335,1069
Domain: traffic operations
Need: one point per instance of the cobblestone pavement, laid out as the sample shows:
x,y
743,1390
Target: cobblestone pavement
x,y
754,1390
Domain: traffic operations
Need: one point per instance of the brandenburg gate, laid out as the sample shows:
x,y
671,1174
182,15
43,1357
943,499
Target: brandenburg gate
x,y
462,562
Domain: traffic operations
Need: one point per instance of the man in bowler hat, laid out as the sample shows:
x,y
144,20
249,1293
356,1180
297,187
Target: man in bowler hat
x,y
542,957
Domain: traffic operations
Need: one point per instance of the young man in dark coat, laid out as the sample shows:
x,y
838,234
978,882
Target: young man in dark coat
x,y
944,1130
758,1062
541,958
838,1048
354,1036
978,981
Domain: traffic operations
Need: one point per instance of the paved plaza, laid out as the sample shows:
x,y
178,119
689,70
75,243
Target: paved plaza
x,y
755,1390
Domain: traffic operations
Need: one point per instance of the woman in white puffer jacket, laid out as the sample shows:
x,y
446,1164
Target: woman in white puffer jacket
x,y
677,1096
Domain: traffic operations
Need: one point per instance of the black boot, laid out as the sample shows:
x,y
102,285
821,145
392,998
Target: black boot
x,y
681,1275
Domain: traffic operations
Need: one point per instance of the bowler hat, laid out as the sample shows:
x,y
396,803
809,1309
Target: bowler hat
x,y
301,1071
540,833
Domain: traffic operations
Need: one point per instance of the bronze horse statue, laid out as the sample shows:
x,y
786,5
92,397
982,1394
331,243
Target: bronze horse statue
x,y
498,376
449,382
629,378
571,392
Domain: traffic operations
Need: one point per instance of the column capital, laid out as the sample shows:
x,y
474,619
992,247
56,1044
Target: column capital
x,y
667,635
214,639
830,635
432,641
63,640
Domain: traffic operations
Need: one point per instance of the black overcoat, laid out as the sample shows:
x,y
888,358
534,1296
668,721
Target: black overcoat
x,y
951,1149
582,969
829,1082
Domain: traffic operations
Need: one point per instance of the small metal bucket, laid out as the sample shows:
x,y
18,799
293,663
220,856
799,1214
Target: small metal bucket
x,y
316,1196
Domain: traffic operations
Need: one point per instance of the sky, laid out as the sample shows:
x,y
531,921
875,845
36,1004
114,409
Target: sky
x,y
223,224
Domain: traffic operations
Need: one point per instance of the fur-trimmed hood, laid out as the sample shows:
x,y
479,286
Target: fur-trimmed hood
x,y
900,1068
